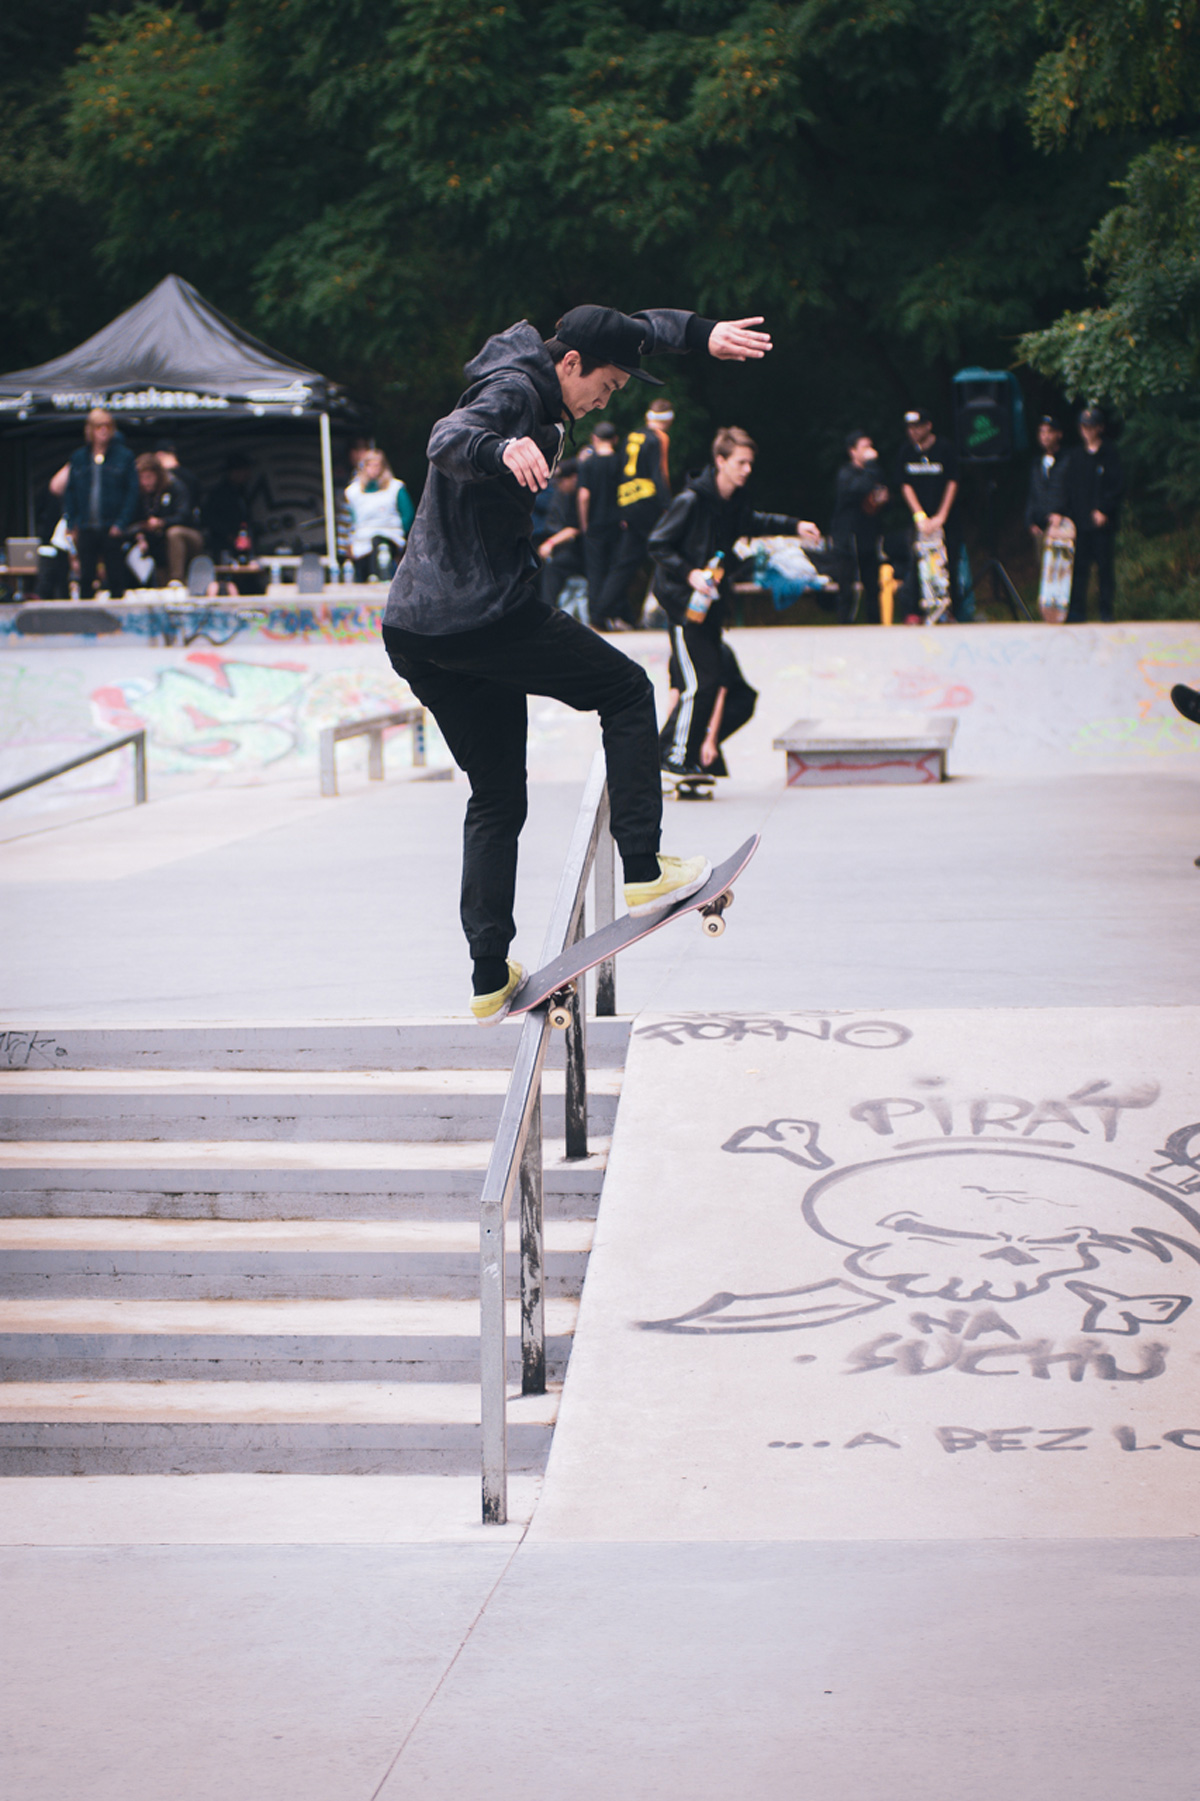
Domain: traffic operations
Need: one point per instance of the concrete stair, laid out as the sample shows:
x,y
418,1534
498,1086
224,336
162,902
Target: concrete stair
x,y
217,1253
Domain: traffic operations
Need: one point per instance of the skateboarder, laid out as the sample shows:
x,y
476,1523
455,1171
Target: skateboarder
x,y
466,628
702,523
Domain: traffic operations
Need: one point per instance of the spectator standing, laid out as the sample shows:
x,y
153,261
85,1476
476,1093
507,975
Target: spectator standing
x,y
706,519
1093,483
54,547
1043,502
643,493
99,503
562,548
928,480
381,512
599,475
854,529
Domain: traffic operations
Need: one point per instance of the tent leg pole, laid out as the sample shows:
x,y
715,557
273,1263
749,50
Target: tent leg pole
x,y
327,486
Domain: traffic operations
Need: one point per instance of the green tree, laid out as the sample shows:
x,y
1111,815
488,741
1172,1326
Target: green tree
x,y
1121,66
377,187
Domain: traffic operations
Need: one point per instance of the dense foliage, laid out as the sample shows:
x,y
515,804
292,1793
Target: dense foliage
x,y
374,187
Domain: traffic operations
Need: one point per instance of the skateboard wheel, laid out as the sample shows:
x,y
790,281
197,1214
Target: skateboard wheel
x,y
560,1018
714,925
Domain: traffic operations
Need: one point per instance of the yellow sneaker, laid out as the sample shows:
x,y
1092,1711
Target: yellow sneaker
x,y
678,877
489,1009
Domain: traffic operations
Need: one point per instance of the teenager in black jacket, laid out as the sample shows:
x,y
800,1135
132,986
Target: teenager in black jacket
x,y
710,515
1093,483
465,625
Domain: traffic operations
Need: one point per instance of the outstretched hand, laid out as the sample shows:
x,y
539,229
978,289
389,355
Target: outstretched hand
x,y
734,341
526,462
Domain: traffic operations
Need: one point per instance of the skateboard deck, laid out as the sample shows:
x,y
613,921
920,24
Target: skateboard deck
x,y
689,787
934,574
1058,564
553,983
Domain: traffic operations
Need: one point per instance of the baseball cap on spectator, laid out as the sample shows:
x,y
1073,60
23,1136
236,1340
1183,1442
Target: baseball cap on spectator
x,y
917,416
1092,415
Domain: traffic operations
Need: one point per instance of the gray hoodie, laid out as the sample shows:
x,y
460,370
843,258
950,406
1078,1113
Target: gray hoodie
x,y
470,559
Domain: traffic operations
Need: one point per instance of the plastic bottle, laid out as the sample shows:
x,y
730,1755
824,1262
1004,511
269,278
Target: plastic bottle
x,y
243,548
702,598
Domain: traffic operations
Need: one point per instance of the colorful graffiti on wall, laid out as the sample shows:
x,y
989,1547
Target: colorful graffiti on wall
x,y
229,715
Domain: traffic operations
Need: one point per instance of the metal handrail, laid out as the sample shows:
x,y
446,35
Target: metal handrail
x,y
517,1151
137,739
374,729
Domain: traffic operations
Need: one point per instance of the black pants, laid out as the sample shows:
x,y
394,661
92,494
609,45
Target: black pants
x,y
475,685
857,561
94,543
701,665
627,558
1093,545
54,575
599,551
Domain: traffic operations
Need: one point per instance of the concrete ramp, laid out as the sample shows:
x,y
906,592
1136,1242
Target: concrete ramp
x,y
928,1275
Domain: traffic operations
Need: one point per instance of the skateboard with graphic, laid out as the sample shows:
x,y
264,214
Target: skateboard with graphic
x,y
555,982
1058,565
934,573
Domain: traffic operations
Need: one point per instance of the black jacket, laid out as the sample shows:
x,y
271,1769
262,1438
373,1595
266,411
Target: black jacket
x,y
118,487
470,559
854,488
1045,490
1092,482
694,527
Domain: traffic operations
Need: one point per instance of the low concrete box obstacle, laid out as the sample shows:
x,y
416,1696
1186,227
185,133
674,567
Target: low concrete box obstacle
x,y
826,752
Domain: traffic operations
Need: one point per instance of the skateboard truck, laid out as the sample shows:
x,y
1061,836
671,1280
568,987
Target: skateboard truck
x,y
558,1010
713,914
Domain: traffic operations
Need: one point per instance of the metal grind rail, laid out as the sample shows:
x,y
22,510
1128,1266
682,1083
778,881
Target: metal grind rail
x,y
138,741
372,728
517,1151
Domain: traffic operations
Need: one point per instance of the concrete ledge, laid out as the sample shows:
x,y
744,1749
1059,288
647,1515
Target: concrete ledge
x,y
823,753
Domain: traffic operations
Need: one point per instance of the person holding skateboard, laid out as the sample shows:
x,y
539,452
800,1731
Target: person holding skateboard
x,y
929,484
466,628
692,545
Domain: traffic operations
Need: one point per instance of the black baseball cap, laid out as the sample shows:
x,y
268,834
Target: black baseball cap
x,y
1092,415
603,335
916,416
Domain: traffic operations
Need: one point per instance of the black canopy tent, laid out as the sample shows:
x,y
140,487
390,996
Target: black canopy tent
x,y
174,357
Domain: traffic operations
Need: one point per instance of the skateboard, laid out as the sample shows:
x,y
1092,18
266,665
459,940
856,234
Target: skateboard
x,y
688,787
1058,563
555,982
935,576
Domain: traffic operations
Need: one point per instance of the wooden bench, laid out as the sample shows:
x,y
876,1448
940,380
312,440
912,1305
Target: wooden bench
x,y
823,753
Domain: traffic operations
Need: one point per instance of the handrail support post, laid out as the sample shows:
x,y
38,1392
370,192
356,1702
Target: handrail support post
x,y
533,1285
375,755
139,769
576,1097
604,912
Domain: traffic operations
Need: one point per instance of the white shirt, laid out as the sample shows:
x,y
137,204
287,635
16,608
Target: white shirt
x,y
373,515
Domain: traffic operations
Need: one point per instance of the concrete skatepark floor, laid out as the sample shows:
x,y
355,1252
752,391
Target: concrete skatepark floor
x,y
978,1617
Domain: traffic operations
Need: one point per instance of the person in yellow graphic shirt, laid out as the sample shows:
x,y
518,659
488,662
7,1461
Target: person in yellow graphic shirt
x,y
643,495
